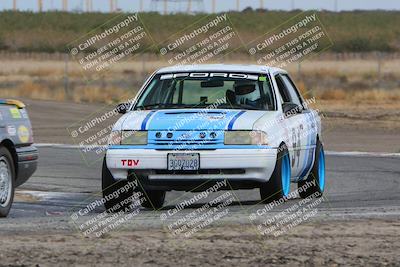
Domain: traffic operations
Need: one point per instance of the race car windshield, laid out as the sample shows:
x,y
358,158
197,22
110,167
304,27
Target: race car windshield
x,y
172,91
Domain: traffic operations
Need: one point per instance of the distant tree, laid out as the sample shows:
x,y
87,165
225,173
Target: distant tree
x,y
248,9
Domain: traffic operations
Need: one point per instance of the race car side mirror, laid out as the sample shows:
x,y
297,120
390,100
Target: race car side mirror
x,y
122,108
290,108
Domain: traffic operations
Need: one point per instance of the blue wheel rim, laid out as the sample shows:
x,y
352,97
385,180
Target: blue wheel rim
x,y
285,175
321,170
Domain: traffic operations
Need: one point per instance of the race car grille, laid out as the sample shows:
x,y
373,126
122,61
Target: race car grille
x,y
185,140
161,143
204,171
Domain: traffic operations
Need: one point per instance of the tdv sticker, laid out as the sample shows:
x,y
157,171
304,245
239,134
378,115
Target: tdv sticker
x,y
130,162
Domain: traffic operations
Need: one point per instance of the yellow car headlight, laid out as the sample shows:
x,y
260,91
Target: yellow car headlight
x,y
128,138
245,138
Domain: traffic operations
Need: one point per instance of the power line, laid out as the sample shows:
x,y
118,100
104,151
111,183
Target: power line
x,y
170,6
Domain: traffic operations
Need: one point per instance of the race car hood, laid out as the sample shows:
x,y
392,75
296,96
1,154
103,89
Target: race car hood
x,y
189,119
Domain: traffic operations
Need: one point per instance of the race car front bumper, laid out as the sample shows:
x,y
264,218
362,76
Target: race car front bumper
x,y
27,160
232,164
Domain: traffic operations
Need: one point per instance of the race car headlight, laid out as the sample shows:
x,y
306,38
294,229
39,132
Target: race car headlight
x,y
128,138
134,138
245,138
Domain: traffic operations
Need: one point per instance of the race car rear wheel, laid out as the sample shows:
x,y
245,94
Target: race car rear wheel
x,y
116,198
278,185
314,185
7,179
154,199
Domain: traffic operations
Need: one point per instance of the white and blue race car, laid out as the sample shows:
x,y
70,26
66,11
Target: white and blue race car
x,y
191,126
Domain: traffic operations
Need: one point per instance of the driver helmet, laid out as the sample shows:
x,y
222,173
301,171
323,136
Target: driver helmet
x,y
247,92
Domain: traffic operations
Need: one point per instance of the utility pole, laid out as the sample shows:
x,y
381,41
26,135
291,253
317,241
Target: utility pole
x,y
213,6
261,4
40,5
141,6
238,5
111,6
165,7
189,9
65,5
15,5
87,6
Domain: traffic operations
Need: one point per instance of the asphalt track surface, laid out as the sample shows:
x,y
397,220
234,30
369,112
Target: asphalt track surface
x,y
356,186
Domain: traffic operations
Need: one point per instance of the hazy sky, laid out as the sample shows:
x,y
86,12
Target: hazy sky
x,y
222,5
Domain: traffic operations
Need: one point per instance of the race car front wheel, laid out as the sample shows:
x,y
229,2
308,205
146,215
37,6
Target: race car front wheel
x,y
7,178
154,199
278,185
117,194
314,185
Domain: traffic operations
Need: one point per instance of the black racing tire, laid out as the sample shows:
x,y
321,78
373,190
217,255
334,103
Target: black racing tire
x,y
278,185
7,181
117,194
154,199
316,178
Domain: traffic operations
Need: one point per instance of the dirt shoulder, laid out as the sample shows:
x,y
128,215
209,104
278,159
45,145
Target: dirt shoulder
x,y
356,242
367,126
364,127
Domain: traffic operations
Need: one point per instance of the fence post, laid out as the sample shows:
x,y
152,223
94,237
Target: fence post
x,y
143,56
299,69
379,69
66,77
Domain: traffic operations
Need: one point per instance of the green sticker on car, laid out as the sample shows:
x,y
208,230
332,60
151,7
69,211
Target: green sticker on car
x,y
15,113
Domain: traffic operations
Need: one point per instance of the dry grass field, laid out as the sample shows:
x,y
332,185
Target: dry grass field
x,y
355,81
354,93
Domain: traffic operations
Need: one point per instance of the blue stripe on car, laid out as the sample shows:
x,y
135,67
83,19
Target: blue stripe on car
x,y
146,119
306,147
230,125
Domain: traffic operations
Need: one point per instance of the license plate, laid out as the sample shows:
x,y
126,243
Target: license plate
x,y
183,162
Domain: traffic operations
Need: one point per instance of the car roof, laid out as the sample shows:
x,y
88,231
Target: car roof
x,y
221,68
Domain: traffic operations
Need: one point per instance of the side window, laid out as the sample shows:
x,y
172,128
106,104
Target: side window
x,y
267,92
291,89
282,89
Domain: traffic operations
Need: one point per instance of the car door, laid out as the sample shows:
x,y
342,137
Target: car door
x,y
298,125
